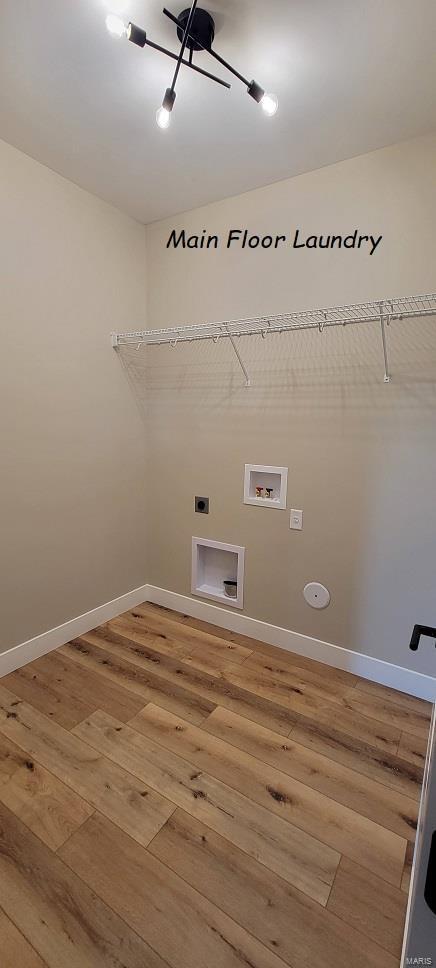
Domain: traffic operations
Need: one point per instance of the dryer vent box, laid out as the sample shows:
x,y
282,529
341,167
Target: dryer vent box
x,y
202,505
215,565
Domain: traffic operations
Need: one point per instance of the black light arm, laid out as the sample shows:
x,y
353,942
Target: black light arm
x,y
139,37
183,45
255,90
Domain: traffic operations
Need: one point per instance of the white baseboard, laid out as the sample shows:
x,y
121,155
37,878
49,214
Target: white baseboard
x,y
366,666
397,677
26,652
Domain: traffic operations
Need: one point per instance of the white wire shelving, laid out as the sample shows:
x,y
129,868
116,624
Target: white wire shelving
x,y
383,311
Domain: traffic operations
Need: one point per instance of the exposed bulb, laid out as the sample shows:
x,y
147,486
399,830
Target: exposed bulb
x,y
269,104
163,118
116,26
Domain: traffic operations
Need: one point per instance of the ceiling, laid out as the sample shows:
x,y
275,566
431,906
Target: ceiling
x,y
350,75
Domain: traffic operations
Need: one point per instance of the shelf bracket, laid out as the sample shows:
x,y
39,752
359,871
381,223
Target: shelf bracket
x,y
239,358
387,376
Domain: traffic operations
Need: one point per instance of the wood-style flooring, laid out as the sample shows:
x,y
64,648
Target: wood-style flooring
x,y
173,795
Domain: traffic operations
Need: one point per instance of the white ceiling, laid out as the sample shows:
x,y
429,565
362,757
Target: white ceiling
x,y
351,76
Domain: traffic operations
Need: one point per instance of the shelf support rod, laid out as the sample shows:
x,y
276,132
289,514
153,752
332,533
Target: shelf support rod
x,y
239,358
387,376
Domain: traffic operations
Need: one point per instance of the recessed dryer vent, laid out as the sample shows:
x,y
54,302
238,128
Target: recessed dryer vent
x,y
214,564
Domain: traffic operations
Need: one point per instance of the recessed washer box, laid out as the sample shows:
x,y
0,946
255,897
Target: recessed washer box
x,y
213,563
265,485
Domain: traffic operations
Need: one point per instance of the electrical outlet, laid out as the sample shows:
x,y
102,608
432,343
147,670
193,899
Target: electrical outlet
x,y
202,505
296,520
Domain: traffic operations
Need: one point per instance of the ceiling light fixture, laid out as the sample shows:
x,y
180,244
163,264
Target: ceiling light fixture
x,y
116,26
163,114
195,31
269,104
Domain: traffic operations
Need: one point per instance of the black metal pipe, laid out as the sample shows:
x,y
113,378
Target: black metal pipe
x,y
209,50
184,42
199,70
228,66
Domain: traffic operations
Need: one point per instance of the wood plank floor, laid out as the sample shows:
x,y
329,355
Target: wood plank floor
x,y
173,795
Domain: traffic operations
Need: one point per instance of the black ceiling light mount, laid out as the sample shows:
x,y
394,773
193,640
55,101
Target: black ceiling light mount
x,y
203,29
196,32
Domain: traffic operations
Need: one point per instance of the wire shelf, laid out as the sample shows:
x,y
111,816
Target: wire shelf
x,y
383,311
404,307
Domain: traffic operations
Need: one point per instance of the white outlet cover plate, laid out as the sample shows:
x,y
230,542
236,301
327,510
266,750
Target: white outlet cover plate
x,y
316,595
296,520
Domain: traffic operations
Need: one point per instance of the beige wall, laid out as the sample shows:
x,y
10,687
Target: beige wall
x,y
72,484
82,434
361,455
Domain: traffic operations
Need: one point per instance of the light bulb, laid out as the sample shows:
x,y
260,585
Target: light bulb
x,y
163,118
116,26
269,104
